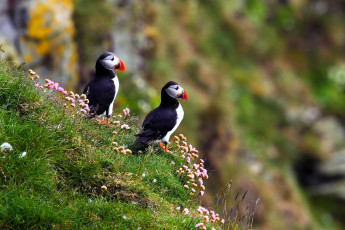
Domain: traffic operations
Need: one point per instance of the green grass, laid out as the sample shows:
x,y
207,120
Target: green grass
x,y
69,158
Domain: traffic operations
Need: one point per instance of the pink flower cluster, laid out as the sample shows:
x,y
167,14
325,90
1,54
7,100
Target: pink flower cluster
x,y
196,173
49,83
126,112
124,126
82,102
84,106
54,85
209,216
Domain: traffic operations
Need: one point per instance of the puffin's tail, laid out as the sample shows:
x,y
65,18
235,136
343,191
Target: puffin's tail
x,y
143,139
146,136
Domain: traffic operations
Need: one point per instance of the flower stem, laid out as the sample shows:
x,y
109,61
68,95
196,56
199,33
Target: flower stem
x,y
123,134
142,164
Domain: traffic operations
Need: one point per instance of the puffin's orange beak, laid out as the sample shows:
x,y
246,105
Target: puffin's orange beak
x,y
183,96
120,66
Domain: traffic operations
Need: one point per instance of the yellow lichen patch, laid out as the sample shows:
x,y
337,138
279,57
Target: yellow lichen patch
x,y
28,58
50,31
49,19
42,47
150,32
38,27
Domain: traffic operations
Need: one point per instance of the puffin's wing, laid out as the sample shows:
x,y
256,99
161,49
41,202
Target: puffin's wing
x,y
156,124
100,94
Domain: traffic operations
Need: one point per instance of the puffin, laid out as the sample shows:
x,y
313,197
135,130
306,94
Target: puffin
x,y
103,87
161,122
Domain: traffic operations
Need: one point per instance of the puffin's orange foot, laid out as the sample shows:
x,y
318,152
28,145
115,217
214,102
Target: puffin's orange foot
x,y
165,148
102,122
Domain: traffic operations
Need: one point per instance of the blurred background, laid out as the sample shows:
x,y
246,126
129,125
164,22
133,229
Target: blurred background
x,y
265,83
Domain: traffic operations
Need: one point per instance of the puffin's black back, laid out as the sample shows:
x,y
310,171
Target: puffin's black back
x,y
160,120
101,89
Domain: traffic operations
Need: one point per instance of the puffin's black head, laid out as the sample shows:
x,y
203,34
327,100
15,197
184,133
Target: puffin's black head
x,y
174,90
109,61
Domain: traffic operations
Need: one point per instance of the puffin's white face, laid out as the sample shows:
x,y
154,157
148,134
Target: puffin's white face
x,y
112,62
176,91
109,62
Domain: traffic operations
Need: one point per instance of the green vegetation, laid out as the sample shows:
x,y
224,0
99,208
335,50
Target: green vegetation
x,y
73,176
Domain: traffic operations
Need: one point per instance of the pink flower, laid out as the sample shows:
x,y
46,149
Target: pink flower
x,y
201,193
206,211
204,173
188,160
124,126
222,221
200,181
37,85
195,166
64,92
185,211
185,167
126,112
191,149
206,218
178,208
193,190
200,226
201,210
60,89
73,105
213,216
201,161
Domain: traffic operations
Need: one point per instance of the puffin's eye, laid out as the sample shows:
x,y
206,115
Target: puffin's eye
x,y
176,88
112,59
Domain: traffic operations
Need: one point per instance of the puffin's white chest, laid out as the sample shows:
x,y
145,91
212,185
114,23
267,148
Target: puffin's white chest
x,y
116,84
180,114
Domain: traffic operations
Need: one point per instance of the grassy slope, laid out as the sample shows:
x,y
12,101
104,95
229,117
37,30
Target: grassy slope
x,y
58,183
